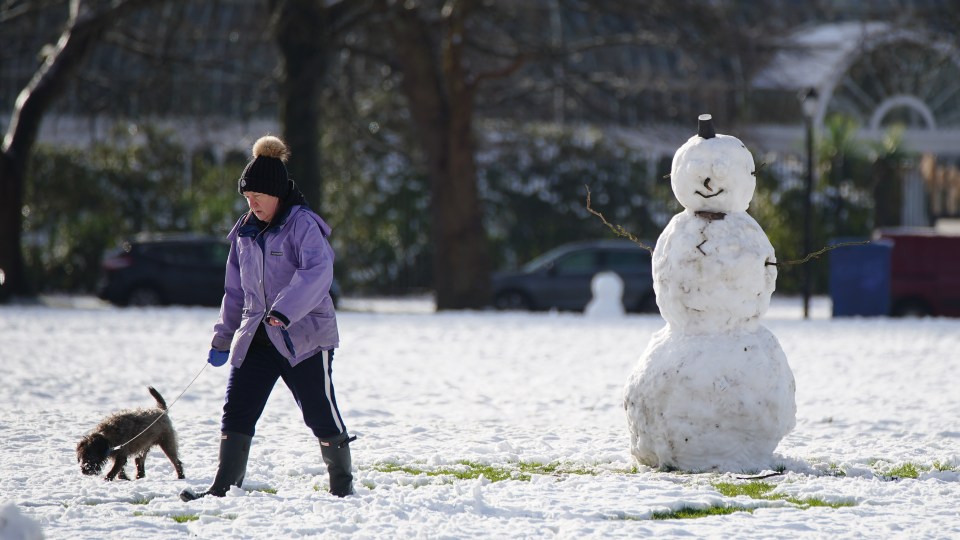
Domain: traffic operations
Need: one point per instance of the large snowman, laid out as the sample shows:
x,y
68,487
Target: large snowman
x,y
713,390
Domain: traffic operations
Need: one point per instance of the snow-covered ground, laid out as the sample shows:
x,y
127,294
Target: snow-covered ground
x,y
534,398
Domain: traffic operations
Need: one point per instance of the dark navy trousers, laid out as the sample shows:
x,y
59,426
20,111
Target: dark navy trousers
x,y
310,382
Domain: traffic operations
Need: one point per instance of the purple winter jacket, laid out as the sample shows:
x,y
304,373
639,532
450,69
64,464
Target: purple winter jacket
x,y
291,275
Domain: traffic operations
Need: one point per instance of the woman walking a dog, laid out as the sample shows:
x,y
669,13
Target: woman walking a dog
x,y
277,321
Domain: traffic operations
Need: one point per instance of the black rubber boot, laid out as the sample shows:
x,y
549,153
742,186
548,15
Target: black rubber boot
x,y
234,450
336,455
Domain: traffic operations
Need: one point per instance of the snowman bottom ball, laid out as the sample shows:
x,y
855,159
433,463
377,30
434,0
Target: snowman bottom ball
x,y
717,402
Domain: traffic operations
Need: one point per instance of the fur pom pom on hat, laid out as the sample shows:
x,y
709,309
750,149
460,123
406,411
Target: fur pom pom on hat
x,y
266,172
271,146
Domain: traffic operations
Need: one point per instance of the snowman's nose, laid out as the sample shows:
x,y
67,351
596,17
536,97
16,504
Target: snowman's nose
x,y
706,184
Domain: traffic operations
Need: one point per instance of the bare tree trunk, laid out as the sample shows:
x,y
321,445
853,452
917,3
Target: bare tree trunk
x,y
299,32
307,32
441,95
11,226
85,28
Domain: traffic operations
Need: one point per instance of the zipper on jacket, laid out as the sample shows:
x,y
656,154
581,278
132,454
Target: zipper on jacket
x,y
261,241
288,342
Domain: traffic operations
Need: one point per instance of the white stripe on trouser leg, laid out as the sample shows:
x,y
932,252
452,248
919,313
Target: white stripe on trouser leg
x,y
327,385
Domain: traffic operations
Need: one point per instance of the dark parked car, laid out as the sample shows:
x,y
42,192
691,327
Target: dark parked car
x,y
561,278
168,269
165,269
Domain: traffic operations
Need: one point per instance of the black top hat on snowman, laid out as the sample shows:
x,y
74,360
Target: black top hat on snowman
x,y
705,126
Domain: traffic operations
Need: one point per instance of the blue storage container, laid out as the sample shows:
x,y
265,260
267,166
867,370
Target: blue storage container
x,y
860,278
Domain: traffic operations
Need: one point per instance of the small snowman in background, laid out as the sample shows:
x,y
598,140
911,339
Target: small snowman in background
x,y
607,300
713,390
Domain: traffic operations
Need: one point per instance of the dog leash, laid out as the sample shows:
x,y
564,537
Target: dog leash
x,y
172,403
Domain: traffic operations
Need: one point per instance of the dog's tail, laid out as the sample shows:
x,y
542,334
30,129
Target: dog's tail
x,y
156,395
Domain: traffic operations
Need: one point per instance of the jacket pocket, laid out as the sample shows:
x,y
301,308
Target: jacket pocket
x,y
313,331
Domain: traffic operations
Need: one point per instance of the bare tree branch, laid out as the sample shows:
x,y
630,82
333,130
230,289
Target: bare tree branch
x,y
502,73
87,25
817,254
617,229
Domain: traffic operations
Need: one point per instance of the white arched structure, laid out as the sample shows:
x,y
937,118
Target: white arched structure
x,y
824,57
879,74
911,102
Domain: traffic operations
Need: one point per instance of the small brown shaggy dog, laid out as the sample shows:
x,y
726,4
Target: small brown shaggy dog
x,y
124,428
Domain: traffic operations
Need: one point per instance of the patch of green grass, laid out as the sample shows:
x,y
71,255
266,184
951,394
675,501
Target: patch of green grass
x,y
694,513
465,470
943,467
181,518
271,491
754,490
811,502
761,491
471,470
906,470
555,468
140,499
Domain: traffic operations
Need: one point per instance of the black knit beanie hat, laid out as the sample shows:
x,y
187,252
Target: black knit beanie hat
x,y
266,172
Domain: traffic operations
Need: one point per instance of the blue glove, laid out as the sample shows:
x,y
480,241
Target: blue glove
x,y
218,358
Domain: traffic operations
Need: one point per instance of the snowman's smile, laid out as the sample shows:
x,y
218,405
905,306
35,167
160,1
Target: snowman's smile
x,y
710,195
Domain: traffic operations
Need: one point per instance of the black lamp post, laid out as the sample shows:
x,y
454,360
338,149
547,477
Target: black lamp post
x,y
808,102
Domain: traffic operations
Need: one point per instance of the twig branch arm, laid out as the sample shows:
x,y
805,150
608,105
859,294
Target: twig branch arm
x,y
617,229
817,254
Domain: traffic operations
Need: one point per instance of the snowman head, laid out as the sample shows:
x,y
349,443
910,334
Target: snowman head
x,y
712,172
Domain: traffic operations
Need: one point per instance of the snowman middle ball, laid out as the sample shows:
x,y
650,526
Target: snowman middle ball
x,y
712,275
